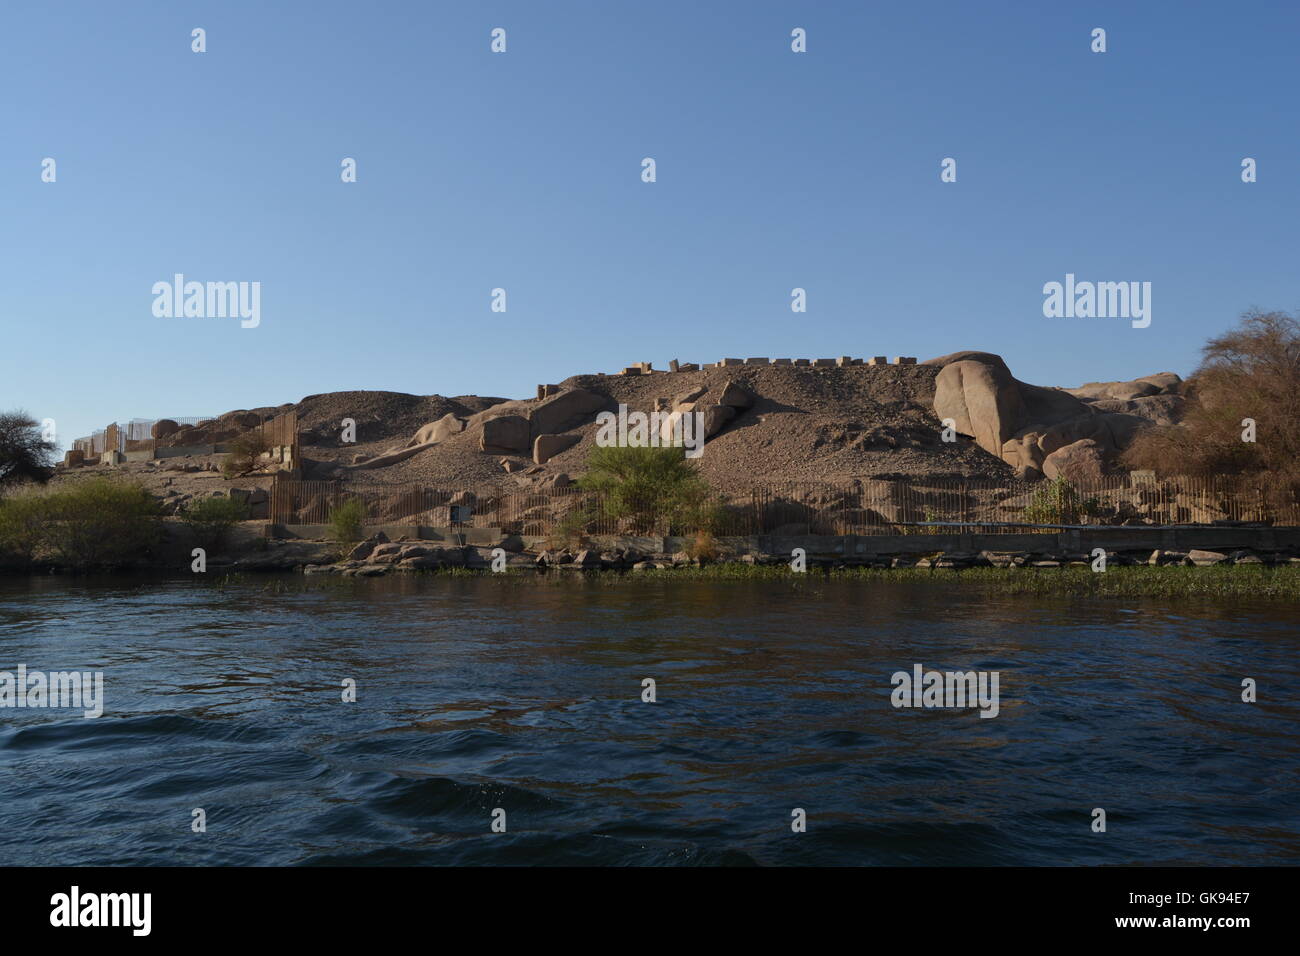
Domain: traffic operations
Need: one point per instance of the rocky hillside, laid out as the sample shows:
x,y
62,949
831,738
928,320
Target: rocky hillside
x,y
765,424
1049,431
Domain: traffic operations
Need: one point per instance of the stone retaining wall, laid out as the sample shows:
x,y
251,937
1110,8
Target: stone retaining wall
x,y
1180,539
647,368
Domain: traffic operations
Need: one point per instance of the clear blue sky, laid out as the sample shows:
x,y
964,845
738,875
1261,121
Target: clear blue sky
x,y
522,170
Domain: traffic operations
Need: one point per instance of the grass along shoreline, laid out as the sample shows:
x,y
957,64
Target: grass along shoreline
x,y
1280,583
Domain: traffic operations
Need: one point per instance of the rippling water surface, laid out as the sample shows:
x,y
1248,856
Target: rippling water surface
x,y
475,694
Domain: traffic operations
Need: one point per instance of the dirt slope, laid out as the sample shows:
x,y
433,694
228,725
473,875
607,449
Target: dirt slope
x,y
806,424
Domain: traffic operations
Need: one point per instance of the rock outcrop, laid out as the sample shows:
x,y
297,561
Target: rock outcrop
x,y
1080,461
546,447
506,434
565,410
1025,424
440,430
736,396
392,457
982,399
1162,383
163,427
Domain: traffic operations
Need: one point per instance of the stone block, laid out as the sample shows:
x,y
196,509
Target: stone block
x,y
672,365
546,447
803,362
563,411
509,433
782,361
904,360
736,396
756,361
716,417
877,360
843,360
632,370
824,363
688,367
727,362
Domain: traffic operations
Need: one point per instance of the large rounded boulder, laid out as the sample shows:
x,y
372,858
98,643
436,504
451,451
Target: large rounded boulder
x,y
1081,462
983,400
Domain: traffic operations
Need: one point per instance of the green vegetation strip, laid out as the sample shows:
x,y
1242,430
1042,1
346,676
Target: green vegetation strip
x,y
1235,582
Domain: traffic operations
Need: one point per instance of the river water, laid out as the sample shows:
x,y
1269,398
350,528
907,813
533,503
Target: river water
x,y
475,695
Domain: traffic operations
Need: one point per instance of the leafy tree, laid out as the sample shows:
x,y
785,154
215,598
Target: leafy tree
x,y
24,454
245,453
652,489
1249,372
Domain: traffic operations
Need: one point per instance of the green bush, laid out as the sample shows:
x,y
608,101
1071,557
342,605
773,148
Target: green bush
x,y
571,530
211,519
655,490
346,521
23,523
100,523
1058,502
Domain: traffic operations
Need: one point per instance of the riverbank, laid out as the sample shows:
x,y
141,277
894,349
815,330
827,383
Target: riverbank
x,y
1225,582
1171,561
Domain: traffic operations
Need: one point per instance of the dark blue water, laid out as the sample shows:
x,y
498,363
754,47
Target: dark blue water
x,y
480,694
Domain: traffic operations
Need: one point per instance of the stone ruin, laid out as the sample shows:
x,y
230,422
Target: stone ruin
x,y
843,361
154,439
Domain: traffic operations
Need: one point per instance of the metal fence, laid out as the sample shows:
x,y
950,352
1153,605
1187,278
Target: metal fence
x,y
862,507
282,431
137,434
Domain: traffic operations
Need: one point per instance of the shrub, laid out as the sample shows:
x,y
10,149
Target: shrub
x,y
1251,371
650,489
571,530
23,526
245,454
101,523
1058,502
211,519
346,520
704,548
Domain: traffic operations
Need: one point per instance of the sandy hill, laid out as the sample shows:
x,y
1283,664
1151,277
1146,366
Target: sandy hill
x,y
781,423
804,424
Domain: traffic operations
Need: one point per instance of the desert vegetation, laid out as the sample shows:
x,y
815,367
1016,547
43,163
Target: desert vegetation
x,y
97,524
211,520
25,454
1059,502
346,520
245,452
1251,372
646,489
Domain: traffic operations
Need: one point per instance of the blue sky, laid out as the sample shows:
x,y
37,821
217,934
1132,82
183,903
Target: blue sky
x,y
522,170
